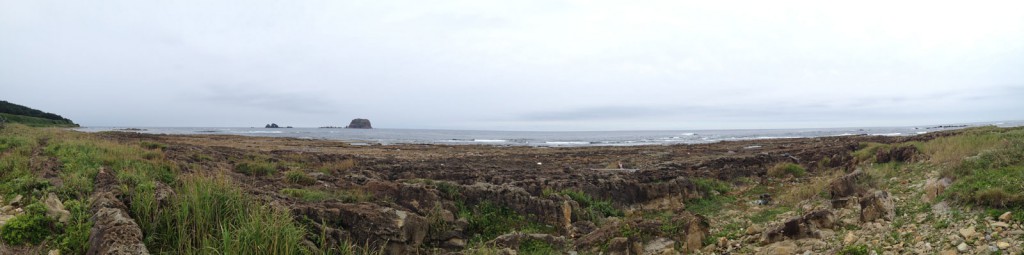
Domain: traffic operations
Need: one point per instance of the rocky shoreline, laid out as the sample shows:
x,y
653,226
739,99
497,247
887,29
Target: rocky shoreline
x,y
779,196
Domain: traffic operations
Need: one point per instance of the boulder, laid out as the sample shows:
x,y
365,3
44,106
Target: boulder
x,y
843,188
933,188
55,209
1006,217
660,246
398,231
800,227
876,205
624,246
360,124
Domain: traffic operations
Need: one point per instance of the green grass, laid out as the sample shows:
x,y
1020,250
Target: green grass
x,y
593,209
713,196
538,247
75,238
256,168
769,214
854,250
709,186
298,177
313,195
487,221
867,151
786,169
708,205
31,227
152,145
211,215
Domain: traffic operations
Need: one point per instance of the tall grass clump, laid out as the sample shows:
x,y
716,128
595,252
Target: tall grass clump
x,y
298,177
487,221
951,150
786,169
211,215
256,168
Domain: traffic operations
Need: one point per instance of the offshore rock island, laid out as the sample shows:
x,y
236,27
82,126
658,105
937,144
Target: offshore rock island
x,y
360,124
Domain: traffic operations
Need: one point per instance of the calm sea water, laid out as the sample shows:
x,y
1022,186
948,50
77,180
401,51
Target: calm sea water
x,y
541,138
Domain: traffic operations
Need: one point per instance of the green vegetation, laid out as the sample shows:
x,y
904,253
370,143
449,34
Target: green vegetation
x,y
713,196
212,215
35,122
593,209
256,168
487,221
298,177
16,109
539,247
855,250
867,151
987,165
152,145
769,214
75,238
32,227
786,169
312,195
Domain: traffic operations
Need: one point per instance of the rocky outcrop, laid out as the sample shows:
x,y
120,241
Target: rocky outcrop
x,y
876,205
397,231
800,227
684,229
842,189
113,230
360,124
902,153
55,209
272,125
933,188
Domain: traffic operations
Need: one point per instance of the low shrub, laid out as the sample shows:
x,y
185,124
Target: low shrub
x,y
256,168
27,228
298,177
786,169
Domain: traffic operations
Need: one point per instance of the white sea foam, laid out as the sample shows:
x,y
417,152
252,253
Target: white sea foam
x,y
489,140
922,132
566,143
258,132
888,134
688,134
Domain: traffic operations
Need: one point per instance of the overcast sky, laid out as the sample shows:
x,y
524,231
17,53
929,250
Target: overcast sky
x,y
516,65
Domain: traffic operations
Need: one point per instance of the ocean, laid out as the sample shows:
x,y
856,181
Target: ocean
x,y
541,138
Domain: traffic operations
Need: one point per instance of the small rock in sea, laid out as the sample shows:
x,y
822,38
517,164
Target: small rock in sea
x,y
1006,216
962,247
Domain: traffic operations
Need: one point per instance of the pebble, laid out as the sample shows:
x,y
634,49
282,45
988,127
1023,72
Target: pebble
x,y
1000,224
967,233
1006,216
962,247
850,238
948,252
53,252
752,230
1003,245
